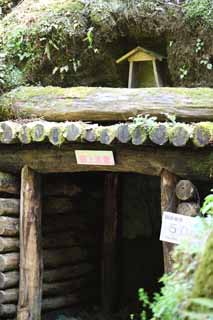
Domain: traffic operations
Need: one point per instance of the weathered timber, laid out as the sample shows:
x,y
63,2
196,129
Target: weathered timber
x,y
190,209
107,104
64,187
9,295
24,134
168,203
51,276
49,289
8,244
159,134
9,132
109,263
66,240
9,183
52,303
66,223
9,226
107,134
39,131
73,130
52,258
9,261
179,135
67,272
53,205
149,160
9,279
31,259
123,133
7,310
185,190
65,287
9,207
138,135
55,134
203,134
90,133
58,257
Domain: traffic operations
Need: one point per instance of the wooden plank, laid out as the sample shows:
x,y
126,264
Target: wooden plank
x,y
107,104
109,265
31,264
168,203
145,160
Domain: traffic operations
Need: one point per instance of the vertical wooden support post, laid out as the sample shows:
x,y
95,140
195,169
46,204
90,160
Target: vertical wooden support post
x,y
168,203
31,264
130,81
109,266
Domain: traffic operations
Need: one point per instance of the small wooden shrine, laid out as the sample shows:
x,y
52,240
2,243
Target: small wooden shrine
x,y
143,68
57,213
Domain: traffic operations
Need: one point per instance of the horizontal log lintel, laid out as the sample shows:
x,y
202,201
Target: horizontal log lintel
x,y
144,160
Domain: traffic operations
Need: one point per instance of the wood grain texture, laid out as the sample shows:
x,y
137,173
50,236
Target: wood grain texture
x,y
109,263
106,104
168,203
31,262
46,159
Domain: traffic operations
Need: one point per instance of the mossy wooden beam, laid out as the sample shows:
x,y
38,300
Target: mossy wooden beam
x,y
145,160
106,104
159,133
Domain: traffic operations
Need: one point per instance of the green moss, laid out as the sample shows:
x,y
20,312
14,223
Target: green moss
x,y
203,282
203,134
179,134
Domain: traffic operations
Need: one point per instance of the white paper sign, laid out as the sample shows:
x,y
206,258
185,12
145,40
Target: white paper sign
x,y
176,228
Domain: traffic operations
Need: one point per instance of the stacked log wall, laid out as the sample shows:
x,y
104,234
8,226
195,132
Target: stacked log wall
x,y
71,234
9,243
70,240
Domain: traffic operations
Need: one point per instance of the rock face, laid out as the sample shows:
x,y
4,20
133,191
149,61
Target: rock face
x,y
76,42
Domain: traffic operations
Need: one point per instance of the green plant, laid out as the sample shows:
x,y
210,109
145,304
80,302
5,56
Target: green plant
x,y
183,72
146,121
206,62
207,207
197,11
205,307
199,45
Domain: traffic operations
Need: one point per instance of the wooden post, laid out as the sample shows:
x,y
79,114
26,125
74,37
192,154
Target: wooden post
x,y
109,266
130,81
168,203
31,264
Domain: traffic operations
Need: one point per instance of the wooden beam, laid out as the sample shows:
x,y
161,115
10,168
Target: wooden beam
x,y
168,203
145,160
109,264
105,104
31,264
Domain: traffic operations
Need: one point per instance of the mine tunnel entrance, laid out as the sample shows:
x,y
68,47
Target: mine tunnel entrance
x,y
100,236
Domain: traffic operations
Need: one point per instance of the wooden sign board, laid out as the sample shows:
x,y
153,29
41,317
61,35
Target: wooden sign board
x,y
95,157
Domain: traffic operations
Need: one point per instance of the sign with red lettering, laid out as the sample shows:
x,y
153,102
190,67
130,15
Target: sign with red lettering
x,y
95,157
